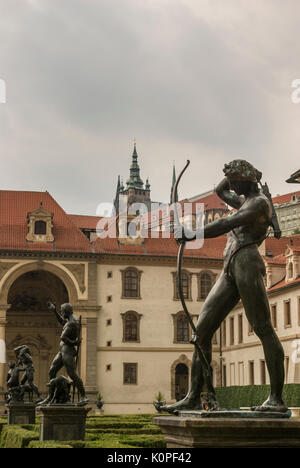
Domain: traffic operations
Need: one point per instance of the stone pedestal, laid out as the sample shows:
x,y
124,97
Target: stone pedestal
x,y
62,422
21,413
192,431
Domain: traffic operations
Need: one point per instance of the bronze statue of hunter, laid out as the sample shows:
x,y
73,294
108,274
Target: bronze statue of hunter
x,y
242,278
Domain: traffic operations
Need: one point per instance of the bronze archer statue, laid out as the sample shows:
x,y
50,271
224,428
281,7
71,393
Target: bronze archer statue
x,y
242,278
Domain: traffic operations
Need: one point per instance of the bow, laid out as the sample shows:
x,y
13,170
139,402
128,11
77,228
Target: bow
x,y
205,365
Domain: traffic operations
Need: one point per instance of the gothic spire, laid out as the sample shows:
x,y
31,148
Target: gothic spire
x,y
173,184
135,180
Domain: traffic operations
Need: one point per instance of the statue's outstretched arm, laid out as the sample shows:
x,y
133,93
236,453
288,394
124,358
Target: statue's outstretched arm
x,y
241,218
223,225
52,307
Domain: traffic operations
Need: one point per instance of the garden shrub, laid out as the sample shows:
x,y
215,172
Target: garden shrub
x,y
17,437
48,444
253,395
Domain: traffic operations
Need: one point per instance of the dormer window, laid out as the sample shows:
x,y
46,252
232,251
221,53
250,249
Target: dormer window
x,y
40,225
40,228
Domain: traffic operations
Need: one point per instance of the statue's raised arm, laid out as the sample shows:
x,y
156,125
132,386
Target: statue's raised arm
x,y
52,308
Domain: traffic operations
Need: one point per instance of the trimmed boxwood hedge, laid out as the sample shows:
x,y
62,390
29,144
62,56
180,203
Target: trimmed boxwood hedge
x,y
17,436
132,431
253,395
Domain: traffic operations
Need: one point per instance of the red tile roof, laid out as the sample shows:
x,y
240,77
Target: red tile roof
x,y
165,214
14,208
286,198
279,260
85,222
211,201
212,248
284,284
278,246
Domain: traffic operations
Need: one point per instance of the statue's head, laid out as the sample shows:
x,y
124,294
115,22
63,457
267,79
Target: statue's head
x,y
11,364
66,310
242,176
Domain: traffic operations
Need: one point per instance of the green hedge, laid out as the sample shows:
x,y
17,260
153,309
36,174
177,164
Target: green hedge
x,y
48,444
253,395
125,431
17,436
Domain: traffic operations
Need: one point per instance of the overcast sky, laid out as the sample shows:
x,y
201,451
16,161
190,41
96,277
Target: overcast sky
x,y
208,80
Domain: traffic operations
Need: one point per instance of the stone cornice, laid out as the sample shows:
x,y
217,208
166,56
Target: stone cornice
x,y
45,254
135,349
163,260
175,349
108,258
252,344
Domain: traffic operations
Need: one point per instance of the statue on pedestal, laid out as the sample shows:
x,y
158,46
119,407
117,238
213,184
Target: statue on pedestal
x,y
242,278
14,391
25,359
66,357
17,389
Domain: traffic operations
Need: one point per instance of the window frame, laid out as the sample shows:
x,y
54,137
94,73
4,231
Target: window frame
x,y
138,318
135,364
138,279
201,297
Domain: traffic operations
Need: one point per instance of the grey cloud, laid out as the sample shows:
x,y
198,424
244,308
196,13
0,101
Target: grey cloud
x,y
86,76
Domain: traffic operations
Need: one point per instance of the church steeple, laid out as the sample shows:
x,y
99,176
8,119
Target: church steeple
x,y
173,184
135,190
135,181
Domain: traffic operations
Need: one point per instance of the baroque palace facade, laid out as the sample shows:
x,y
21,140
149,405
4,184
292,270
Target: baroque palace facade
x,y
135,338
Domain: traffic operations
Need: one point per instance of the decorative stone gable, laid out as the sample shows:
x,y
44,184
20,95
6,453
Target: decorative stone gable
x,y
40,225
292,263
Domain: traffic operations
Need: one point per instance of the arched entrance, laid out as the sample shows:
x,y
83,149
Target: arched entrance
x,y
181,381
29,321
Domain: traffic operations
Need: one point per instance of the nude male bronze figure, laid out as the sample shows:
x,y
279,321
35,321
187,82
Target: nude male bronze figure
x,y
67,352
242,278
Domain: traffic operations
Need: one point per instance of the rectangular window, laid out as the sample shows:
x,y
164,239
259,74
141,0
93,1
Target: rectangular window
x,y
251,372
262,372
131,280
274,315
287,313
240,319
231,330
224,333
130,373
224,376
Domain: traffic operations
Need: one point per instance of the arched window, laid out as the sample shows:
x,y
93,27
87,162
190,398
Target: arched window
x,y
205,283
291,272
186,278
131,283
131,326
40,228
185,284
181,381
182,328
